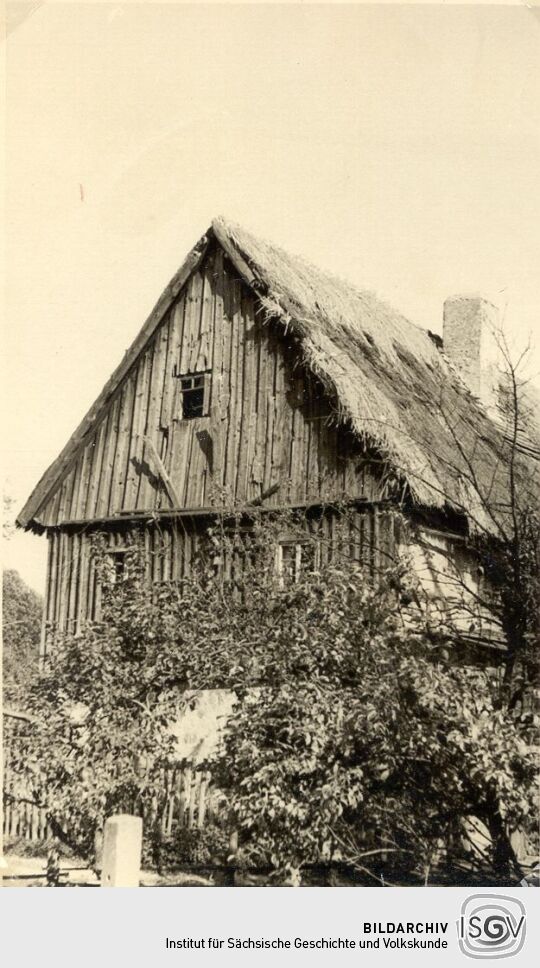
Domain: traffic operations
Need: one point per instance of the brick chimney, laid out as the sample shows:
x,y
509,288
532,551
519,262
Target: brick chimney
x,y
469,343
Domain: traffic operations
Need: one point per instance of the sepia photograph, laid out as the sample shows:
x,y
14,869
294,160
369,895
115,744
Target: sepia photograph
x,y
271,448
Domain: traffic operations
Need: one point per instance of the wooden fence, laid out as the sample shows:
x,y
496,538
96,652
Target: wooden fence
x,y
188,798
22,818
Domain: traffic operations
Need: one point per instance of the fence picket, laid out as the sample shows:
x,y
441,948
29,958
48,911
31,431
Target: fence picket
x,y
185,800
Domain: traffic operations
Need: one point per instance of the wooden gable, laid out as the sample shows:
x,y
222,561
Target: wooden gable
x,y
267,423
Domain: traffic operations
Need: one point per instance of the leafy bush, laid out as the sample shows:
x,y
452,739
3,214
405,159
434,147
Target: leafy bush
x,y
357,735
21,623
191,846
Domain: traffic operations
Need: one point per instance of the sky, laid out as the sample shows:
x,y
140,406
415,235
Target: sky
x,y
398,146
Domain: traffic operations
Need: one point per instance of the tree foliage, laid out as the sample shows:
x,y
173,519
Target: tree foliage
x,y
357,737
22,608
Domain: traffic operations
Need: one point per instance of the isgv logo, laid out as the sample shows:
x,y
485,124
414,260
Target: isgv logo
x,y
491,926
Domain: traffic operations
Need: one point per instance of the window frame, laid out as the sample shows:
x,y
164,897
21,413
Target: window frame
x,y
116,575
204,377
299,561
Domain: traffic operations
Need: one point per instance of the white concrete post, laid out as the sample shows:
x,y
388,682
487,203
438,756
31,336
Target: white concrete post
x,y
122,844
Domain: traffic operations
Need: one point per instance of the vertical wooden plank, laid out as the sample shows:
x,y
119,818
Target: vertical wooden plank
x,y
67,493
82,592
325,459
196,464
171,382
162,546
393,536
179,796
193,797
136,434
306,438
137,483
180,431
312,451
94,477
86,462
280,442
64,576
46,605
195,335
182,441
121,466
257,463
218,387
270,409
168,565
230,352
147,551
14,824
189,345
188,772
35,823
203,468
94,591
375,543
98,490
313,492
57,578
75,556
48,512
177,529
60,514
149,495
297,469
168,366
114,433
249,402
203,355
90,582
269,436
58,588
201,812
51,595
103,489
238,384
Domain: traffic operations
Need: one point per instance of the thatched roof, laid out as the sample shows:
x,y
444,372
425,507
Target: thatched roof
x,y
393,385
527,428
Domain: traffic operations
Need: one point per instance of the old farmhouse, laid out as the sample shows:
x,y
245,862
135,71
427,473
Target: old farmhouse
x,y
259,378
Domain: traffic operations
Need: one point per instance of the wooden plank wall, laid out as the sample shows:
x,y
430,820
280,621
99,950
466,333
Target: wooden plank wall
x,y
73,590
268,423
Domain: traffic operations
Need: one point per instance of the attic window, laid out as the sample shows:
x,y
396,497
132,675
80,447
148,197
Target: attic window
x,y
194,395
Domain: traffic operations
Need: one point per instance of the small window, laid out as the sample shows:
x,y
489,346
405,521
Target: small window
x,y
194,395
116,570
294,558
